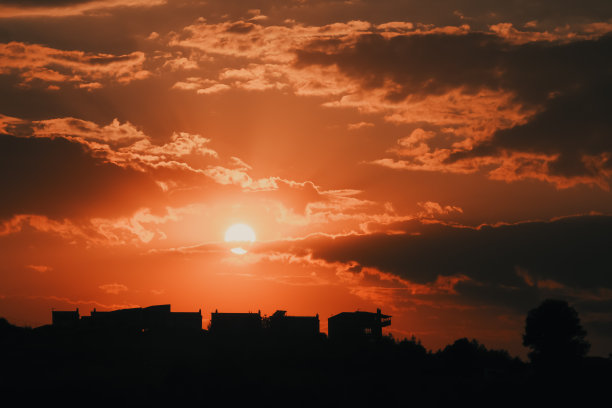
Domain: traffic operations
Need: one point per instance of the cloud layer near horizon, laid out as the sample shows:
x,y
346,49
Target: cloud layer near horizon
x,y
507,267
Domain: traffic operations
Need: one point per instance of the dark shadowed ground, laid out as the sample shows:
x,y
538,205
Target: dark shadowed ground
x,y
91,368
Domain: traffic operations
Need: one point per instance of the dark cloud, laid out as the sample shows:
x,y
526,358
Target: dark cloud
x,y
569,83
42,3
510,268
422,65
117,28
518,299
572,252
58,178
577,126
240,27
419,64
439,12
478,13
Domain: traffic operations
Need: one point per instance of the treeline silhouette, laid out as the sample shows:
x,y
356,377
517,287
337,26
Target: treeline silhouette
x,y
185,368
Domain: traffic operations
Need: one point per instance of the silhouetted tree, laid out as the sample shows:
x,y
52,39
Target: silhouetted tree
x,y
412,350
465,355
554,334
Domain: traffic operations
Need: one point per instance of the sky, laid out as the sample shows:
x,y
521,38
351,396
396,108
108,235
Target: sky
x,y
446,161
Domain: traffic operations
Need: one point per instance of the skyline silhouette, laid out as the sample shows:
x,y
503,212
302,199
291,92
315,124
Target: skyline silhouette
x,y
125,364
552,330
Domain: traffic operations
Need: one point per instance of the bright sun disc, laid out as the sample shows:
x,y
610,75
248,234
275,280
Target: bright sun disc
x,y
240,234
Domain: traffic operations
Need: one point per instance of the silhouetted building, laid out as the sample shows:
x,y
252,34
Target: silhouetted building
x,y
122,319
303,327
187,320
357,325
156,318
65,319
159,317
235,324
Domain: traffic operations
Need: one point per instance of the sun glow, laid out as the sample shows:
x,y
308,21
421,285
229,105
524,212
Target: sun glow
x,y
240,234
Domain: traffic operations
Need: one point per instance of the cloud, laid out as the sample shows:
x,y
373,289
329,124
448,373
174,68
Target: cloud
x,y
549,125
39,268
141,227
78,302
244,39
113,288
308,208
478,60
60,178
484,94
137,228
112,184
77,129
107,160
262,56
568,141
548,13
453,278
508,265
201,86
559,34
179,63
39,64
18,223
432,209
64,8
359,125
119,146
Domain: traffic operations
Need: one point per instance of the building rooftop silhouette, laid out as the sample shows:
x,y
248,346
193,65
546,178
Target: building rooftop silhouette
x,y
349,326
343,326
285,326
65,319
235,324
158,318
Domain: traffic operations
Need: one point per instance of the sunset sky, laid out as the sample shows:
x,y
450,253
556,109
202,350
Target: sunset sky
x,y
446,161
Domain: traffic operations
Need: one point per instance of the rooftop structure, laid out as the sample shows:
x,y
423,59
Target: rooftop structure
x,y
158,317
65,319
235,324
282,325
347,326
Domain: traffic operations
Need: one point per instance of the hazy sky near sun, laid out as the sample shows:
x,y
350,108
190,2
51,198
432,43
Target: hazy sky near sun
x,y
446,161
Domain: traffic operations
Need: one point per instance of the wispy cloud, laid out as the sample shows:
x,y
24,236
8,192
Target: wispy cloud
x,y
41,65
113,288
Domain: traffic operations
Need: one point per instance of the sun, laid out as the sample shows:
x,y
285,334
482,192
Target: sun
x,y
240,234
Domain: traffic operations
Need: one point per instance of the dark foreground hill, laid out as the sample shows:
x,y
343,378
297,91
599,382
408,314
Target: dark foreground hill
x,y
93,368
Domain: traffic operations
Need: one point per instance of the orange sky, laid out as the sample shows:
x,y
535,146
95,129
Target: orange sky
x,y
448,162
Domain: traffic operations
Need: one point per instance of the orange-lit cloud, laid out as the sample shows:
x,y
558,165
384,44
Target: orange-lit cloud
x,y
113,288
359,125
41,223
40,268
68,8
140,227
478,107
471,103
439,267
566,33
38,63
